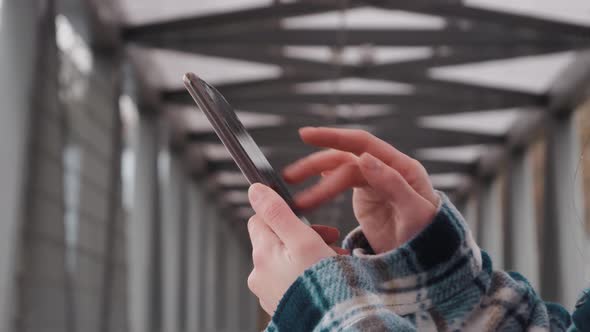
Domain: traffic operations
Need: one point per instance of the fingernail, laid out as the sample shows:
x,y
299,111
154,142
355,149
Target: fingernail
x,y
370,162
255,192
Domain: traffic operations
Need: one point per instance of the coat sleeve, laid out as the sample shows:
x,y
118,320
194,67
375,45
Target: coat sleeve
x,y
438,280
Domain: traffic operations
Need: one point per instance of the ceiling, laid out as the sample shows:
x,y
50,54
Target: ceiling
x,y
443,81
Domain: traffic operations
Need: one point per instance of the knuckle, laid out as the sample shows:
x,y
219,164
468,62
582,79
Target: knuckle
x,y
361,134
411,167
252,281
263,305
415,164
414,171
365,138
251,222
273,210
350,157
364,134
266,307
259,256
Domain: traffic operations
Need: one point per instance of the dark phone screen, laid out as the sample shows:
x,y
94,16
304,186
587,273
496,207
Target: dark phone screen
x,y
233,134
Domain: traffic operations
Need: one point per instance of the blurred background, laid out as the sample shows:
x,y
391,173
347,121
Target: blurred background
x,y
121,211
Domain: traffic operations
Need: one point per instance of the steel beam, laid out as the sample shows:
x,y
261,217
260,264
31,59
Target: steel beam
x,y
105,89
25,34
565,242
404,105
287,157
108,64
404,138
521,236
567,94
490,218
416,99
411,100
248,302
143,230
212,266
220,319
245,101
475,98
463,93
376,37
304,112
469,99
195,262
232,280
174,215
470,214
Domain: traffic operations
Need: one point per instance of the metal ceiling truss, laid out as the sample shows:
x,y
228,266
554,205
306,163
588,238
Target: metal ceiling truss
x,y
471,35
237,20
375,37
433,166
411,71
426,101
404,137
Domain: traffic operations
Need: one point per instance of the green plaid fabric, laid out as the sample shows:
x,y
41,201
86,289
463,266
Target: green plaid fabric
x,y
438,281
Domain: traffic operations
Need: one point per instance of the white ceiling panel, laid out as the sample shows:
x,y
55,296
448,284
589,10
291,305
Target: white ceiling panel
x,y
141,11
196,121
365,18
231,178
531,74
236,197
351,111
448,180
465,154
572,11
496,122
354,86
354,55
218,152
173,65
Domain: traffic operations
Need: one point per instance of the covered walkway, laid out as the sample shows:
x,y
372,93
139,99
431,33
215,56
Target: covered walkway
x,y
121,211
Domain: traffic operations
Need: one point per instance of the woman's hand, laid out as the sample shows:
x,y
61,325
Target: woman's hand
x,y
393,198
282,246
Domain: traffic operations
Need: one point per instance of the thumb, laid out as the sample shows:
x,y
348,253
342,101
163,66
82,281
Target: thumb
x,y
275,212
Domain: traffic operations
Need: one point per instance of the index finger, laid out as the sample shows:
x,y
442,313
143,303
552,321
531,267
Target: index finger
x,y
279,217
357,142
315,164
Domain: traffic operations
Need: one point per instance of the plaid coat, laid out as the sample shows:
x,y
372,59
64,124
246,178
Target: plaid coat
x,y
438,281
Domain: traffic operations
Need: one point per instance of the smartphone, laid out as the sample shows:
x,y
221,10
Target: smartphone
x,y
242,148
